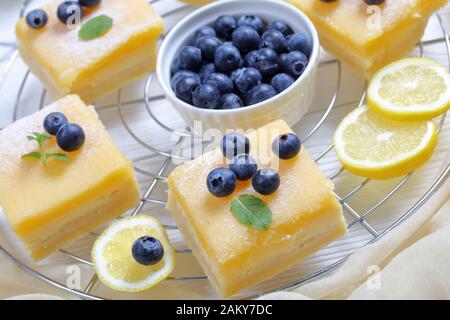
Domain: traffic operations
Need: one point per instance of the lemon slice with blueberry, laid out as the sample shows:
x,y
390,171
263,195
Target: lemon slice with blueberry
x,y
133,254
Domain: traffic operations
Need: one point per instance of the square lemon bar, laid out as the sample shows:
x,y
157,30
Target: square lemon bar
x,y
305,216
66,64
369,37
53,205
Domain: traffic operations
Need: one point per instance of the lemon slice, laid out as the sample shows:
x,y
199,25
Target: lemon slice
x,y
413,89
375,147
114,262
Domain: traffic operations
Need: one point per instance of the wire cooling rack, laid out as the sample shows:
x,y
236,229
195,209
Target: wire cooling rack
x,y
155,180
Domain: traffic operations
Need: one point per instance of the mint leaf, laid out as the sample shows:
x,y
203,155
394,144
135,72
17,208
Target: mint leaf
x,y
40,155
33,155
252,212
40,138
58,156
95,27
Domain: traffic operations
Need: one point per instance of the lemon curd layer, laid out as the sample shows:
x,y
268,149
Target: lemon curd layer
x,y
53,205
369,37
67,64
306,216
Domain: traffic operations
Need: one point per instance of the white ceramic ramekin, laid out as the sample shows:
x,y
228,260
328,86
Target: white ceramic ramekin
x,y
289,105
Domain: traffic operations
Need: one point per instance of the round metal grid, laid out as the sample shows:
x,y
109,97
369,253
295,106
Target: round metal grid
x,y
160,175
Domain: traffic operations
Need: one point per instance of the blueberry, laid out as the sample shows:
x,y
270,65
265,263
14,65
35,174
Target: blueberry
x,y
300,42
282,60
70,12
374,2
246,39
70,137
250,59
266,181
203,31
182,74
190,58
221,182
89,3
206,70
208,46
175,67
37,19
206,96
248,79
252,21
282,81
235,74
224,26
147,251
243,166
227,58
275,40
185,87
266,61
295,64
260,93
281,26
220,81
287,146
234,144
231,101
54,121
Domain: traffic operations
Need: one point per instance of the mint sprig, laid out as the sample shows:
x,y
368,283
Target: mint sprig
x,y
252,212
95,27
41,155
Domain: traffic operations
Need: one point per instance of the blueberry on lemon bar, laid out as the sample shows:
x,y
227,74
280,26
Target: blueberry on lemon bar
x,y
89,48
62,176
251,219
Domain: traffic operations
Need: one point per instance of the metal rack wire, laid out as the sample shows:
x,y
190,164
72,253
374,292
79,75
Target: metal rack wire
x,y
160,175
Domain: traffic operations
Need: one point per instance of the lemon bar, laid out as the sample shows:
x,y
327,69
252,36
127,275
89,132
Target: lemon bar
x,y
66,64
53,205
369,37
305,216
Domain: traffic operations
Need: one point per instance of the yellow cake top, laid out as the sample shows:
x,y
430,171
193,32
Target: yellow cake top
x,y
60,50
28,190
304,193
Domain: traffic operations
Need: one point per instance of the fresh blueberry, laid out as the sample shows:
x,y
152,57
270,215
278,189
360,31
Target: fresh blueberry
x,y
182,74
250,59
299,42
243,166
190,58
295,64
175,67
70,12
267,62
37,19
185,87
208,46
281,26
227,58
287,146
70,137
282,81
248,79
275,40
234,144
206,96
266,181
206,70
147,251
53,122
374,2
252,21
89,3
220,81
221,182
260,93
203,31
282,60
231,101
224,26
246,39
235,75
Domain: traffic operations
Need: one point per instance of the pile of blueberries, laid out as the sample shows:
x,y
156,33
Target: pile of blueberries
x,y
239,62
